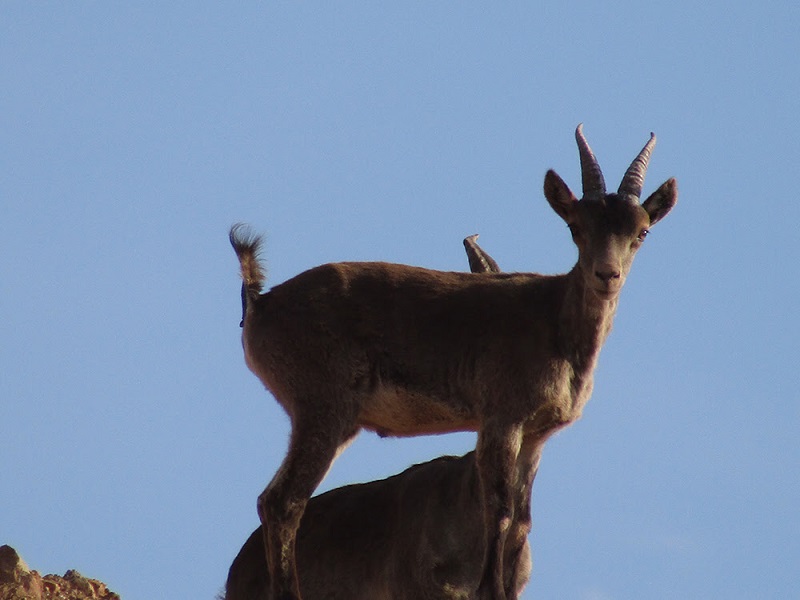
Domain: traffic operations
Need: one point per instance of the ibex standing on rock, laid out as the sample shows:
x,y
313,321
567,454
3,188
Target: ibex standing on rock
x,y
417,535
408,351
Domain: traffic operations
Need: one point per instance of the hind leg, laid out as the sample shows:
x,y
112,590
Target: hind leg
x,y
313,447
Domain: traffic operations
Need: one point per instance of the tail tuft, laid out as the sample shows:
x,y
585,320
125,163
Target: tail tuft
x,y
247,246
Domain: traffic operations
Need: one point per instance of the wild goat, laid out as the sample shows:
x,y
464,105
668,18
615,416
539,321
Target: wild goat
x,y
413,536
408,351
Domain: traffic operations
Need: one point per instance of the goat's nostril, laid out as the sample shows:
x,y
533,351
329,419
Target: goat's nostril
x,y
607,275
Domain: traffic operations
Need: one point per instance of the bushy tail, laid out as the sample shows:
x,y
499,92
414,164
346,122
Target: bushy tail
x,y
247,246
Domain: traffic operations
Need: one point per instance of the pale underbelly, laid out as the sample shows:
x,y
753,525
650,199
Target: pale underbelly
x,y
392,412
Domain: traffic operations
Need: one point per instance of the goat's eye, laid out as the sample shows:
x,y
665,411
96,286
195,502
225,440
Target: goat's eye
x,y
643,234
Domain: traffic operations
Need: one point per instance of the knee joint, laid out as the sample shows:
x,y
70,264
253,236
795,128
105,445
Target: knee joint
x,y
274,507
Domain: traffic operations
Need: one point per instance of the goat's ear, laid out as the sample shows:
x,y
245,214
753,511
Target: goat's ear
x,y
559,195
660,202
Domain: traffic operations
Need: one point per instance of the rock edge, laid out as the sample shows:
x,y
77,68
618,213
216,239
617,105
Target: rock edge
x,y
18,582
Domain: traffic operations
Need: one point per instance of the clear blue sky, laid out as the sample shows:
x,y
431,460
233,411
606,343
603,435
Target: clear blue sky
x,y
133,439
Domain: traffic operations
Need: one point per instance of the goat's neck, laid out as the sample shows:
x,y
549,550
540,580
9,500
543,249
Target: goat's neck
x,y
584,324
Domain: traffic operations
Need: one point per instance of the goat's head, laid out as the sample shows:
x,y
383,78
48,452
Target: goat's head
x,y
608,228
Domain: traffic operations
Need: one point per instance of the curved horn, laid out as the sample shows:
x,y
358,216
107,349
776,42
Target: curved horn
x,y
593,183
633,181
479,260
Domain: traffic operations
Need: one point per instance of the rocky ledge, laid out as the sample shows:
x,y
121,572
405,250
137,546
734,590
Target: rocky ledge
x,y
18,582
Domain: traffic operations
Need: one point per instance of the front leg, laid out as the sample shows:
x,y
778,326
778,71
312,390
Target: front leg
x,y
517,556
496,455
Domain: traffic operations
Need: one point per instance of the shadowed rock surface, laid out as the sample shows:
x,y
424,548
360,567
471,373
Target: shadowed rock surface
x,y
417,535
18,582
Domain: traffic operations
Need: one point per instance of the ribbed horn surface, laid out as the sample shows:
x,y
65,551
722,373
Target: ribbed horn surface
x,y
594,186
633,181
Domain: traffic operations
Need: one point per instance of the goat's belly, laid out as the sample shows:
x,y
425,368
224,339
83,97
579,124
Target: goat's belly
x,y
392,412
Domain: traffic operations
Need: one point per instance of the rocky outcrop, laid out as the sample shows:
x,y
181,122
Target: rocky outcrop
x,y
18,582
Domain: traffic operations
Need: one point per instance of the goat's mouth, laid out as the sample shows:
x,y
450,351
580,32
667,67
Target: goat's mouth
x,y
606,292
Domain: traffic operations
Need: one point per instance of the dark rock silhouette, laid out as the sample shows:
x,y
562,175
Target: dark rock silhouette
x,y
418,534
